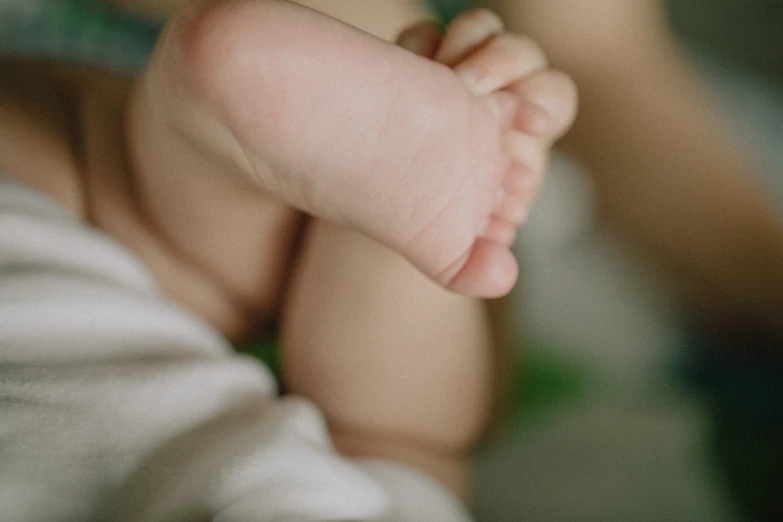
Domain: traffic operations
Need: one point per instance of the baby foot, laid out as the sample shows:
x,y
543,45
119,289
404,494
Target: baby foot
x,y
350,129
536,105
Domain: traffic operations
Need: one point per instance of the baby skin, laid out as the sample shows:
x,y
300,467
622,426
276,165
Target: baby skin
x,y
253,112
436,157
249,104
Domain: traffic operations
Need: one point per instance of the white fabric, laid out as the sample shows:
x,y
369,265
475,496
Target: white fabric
x,y
415,497
117,405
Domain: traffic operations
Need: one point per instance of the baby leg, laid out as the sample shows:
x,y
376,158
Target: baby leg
x,y
401,368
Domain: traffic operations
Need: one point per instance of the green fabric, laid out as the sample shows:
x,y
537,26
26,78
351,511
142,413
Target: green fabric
x,y
79,31
544,382
447,10
266,350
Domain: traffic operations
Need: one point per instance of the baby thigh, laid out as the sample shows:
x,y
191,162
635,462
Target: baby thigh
x,y
401,368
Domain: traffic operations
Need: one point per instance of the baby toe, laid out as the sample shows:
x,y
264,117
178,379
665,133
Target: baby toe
x,y
466,33
501,61
554,93
526,150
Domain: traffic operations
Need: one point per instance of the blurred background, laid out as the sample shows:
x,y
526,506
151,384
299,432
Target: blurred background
x,y
627,406
626,410
631,402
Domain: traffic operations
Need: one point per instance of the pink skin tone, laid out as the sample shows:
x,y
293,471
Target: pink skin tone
x,y
397,137
442,163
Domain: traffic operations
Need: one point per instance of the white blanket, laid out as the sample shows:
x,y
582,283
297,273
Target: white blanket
x,y
117,405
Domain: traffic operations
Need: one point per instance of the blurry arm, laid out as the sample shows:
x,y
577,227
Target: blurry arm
x,y
668,171
37,131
